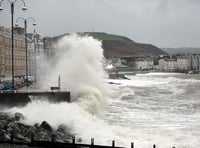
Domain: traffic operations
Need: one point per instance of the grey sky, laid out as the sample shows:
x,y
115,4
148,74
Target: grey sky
x,y
164,23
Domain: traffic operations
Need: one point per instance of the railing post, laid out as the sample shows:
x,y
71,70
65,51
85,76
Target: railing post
x,y
113,143
92,142
132,145
73,141
53,138
154,146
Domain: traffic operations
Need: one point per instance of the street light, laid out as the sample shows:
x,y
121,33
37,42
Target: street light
x,y
25,33
12,4
35,43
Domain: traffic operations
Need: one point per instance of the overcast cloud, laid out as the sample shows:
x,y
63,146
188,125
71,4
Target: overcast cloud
x,y
164,23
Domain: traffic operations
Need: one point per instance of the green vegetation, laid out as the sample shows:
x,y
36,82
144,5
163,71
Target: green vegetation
x,y
104,36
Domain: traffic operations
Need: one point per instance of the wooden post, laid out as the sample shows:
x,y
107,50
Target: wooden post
x,y
154,146
73,141
92,142
132,145
113,143
53,138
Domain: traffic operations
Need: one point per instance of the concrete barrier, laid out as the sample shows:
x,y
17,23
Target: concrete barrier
x,y
14,98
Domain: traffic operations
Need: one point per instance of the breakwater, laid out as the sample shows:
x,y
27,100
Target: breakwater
x,y
12,129
21,98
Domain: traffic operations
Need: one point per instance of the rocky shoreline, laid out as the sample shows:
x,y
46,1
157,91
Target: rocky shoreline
x,y
13,129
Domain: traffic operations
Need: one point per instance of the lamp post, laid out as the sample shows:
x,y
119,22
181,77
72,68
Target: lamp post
x,y
35,43
25,33
35,51
12,5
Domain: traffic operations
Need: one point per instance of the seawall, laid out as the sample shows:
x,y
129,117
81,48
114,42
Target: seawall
x,y
15,98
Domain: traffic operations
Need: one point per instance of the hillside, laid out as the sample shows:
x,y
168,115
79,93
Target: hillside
x,y
118,46
182,50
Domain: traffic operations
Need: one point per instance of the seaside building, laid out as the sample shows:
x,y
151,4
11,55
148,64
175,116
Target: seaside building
x,y
195,61
168,64
183,63
19,53
144,63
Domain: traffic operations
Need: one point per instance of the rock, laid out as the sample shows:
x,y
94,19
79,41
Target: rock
x,y
13,128
19,116
42,136
24,129
67,137
64,129
2,132
37,125
32,130
18,136
3,124
26,139
58,136
5,137
46,126
3,116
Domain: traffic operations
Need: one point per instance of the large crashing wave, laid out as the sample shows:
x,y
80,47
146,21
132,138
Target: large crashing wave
x,y
79,62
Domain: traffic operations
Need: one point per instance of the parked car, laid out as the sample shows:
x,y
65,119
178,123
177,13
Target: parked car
x,y
1,86
17,84
7,85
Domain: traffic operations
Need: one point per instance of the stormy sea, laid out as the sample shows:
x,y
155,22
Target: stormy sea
x,y
147,109
160,108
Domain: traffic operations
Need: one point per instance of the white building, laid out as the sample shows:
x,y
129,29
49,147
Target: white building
x,y
183,63
195,60
168,64
144,63
116,62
